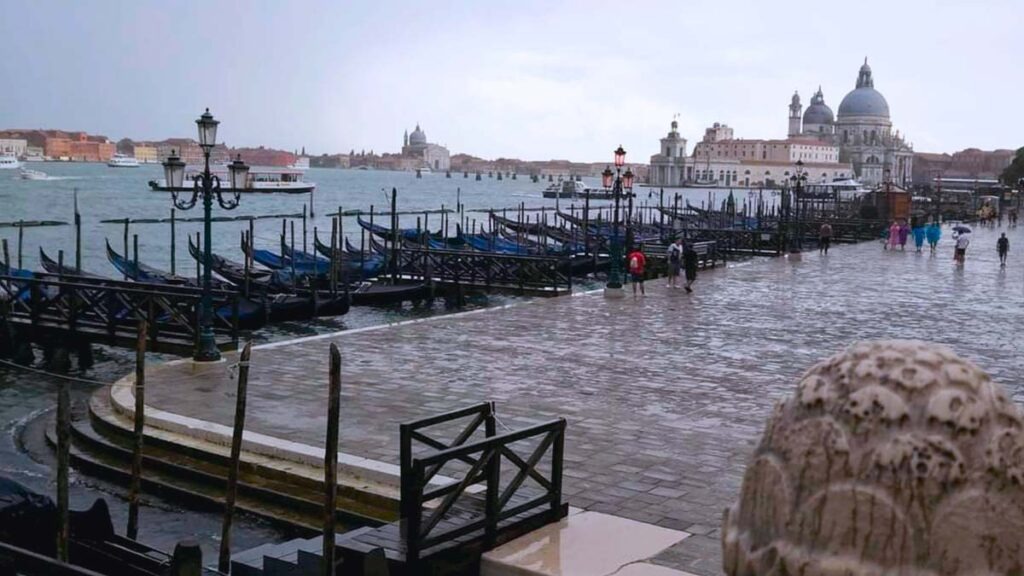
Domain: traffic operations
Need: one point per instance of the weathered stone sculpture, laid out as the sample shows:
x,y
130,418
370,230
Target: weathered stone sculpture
x,y
892,457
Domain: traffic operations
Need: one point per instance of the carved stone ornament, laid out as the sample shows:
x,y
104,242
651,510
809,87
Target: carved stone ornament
x,y
893,457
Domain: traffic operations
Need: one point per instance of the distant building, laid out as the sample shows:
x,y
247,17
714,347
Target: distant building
x,y
719,159
61,145
14,146
424,154
970,163
862,130
669,164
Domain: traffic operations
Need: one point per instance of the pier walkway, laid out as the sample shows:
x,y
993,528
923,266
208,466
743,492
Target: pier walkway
x,y
665,396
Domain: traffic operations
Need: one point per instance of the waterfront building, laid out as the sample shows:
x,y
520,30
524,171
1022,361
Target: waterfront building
x,y
669,164
145,153
61,145
862,130
720,159
13,147
423,154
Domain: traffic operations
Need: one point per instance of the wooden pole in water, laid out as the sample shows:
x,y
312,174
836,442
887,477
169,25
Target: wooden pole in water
x,y
127,256
173,241
224,560
248,256
331,460
135,259
305,247
394,236
140,421
293,253
7,256
78,237
63,458
21,239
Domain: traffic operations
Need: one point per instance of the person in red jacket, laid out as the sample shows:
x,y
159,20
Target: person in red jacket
x,y
635,263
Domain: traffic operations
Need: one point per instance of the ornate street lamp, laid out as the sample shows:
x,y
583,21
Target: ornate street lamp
x,y
206,186
613,288
798,180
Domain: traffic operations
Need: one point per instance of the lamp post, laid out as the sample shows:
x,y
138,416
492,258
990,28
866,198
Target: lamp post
x,y
798,180
206,186
617,181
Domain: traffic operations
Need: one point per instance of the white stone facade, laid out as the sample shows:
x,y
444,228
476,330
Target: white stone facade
x,y
13,146
862,131
433,156
668,164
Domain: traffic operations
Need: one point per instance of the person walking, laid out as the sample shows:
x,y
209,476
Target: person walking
x,y
934,232
675,262
919,234
904,234
962,242
637,263
690,267
894,235
1003,247
824,238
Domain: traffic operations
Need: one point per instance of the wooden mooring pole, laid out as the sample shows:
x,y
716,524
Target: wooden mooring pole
x,y
331,460
173,242
127,255
224,560
21,240
63,462
139,423
78,237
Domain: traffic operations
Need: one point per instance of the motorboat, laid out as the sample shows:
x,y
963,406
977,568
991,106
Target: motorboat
x,y
266,179
27,174
123,161
575,189
9,162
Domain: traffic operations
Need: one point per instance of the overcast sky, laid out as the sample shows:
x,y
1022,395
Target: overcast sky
x,y
527,79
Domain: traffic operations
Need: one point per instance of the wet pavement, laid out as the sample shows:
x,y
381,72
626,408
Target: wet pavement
x,y
666,395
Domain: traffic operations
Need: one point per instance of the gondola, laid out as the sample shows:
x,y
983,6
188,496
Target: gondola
x,y
535,228
251,315
54,267
283,304
386,233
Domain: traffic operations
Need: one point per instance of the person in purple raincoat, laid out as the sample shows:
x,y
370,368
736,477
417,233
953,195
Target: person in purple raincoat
x,y
904,233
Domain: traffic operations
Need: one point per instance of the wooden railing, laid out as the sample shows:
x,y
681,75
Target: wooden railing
x,y
488,269
429,509
96,307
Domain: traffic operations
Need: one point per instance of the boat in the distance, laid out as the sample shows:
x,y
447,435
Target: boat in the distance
x,y
266,179
122,161
9,162
575,189
27,174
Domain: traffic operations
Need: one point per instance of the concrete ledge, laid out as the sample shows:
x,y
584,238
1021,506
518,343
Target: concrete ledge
x,y
356,468
587,543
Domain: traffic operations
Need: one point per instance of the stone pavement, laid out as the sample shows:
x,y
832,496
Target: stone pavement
x,y
665,395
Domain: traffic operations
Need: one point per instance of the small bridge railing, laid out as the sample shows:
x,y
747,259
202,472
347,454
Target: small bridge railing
x,y
100,307
488,269
430,510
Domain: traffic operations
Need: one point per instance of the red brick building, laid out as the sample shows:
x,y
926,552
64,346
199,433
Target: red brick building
x,y
61,145
967,163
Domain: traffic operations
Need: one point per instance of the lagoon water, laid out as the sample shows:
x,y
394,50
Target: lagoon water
x,y
109,193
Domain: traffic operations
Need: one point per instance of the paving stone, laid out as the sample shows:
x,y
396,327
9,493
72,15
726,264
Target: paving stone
x,y
670,390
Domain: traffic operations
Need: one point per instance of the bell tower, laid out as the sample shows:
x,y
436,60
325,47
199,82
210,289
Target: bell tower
x,y
795,108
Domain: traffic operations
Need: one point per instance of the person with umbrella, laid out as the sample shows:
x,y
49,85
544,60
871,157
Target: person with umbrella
x,y
962,234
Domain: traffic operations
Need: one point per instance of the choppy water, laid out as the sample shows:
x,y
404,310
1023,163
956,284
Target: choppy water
x,y
108,193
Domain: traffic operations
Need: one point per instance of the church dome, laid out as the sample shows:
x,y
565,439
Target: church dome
x,y
818,112
864,100
418,136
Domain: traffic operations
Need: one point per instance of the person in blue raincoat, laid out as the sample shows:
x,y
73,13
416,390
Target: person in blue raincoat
x,y
919,232
933,233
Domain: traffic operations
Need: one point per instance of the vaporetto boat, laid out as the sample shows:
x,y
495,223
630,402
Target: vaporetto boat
x,y
123,161
260,179
8,162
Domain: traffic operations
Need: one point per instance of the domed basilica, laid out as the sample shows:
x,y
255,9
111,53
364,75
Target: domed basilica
x,y
862,130
423,154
